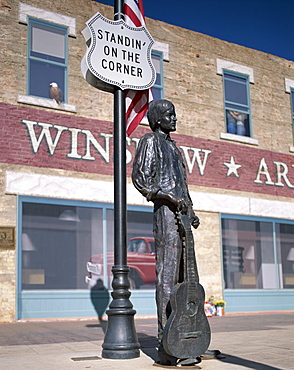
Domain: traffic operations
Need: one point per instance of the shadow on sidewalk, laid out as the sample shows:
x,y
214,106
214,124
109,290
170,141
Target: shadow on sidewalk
x,y
102,324
100,298
245,363
149,344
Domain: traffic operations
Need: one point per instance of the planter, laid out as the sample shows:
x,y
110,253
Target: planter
x,y
220,311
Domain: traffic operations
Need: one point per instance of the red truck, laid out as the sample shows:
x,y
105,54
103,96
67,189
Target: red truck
x,y
141,260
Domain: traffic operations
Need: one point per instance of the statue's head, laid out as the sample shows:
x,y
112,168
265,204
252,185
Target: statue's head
x,y
156,109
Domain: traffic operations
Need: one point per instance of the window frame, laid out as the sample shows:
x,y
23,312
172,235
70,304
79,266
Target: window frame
x,y
26,11
222,65
241,107
75,203
159,86
292,109
163,57
53,26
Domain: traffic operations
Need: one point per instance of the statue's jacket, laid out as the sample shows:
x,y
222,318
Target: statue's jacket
x,y
159,165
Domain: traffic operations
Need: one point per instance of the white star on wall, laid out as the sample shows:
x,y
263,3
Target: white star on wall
x,y
232,167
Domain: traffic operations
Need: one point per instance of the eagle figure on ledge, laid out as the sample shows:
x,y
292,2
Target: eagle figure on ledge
x,y
55,92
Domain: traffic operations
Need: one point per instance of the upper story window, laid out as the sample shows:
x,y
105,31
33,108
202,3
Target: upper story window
x,y
237,103
157,88
292,104
236,86
47,58
289,85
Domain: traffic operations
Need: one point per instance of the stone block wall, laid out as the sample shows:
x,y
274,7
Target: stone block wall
x,y
190,81
190,77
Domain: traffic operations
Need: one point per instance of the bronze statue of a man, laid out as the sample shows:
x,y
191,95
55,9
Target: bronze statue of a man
x,y
159,174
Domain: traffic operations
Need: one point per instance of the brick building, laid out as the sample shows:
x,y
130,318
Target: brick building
x,y
235,130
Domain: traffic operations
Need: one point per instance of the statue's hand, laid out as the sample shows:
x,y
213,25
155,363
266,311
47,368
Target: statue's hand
x,y
180,203
196,222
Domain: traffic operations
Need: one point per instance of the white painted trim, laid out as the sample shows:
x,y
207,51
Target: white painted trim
x,y
289,84
291,149
238,138
32,184
26,11
224,64
144,122
47,103
164,48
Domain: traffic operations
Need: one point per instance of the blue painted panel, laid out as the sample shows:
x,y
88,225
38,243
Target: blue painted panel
x,y
62,303
78,303
144,302
258,300
50,304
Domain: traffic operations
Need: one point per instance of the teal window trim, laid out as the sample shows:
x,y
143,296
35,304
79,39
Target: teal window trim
x,y
292,109
77,203
160,86
230,104
278,283
18,279
256,218
64,65
273,221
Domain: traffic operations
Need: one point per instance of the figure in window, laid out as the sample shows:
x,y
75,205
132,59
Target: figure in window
x,y
235,123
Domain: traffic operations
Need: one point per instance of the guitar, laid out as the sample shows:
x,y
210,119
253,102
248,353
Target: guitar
x,y
187,332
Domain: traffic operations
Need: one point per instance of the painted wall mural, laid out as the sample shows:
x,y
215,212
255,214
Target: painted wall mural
x,y
47,139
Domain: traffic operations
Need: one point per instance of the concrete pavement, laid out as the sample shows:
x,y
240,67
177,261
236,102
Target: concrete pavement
x,y
263,341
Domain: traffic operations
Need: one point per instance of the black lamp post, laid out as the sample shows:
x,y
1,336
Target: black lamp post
x,y
120,341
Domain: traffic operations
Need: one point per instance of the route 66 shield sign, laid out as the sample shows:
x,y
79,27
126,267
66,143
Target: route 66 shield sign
x,y
119,54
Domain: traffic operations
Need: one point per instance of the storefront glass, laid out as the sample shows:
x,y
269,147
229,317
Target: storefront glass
x,y
285,251
257,254
71,247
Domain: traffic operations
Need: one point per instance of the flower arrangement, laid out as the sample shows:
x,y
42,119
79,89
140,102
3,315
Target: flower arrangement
x,y
209,307
212,307
220,303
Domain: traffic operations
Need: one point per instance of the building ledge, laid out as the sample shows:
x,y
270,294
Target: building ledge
x,y
291,149
47,103
238,138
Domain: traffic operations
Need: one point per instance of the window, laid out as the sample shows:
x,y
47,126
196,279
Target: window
x,y
157,89
69,245
292,105
257,254
237,103
47,58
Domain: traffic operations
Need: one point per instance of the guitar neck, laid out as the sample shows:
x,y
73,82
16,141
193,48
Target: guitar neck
x,y
191,266
191,270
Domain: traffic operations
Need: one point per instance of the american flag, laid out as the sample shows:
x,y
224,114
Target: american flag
x,y
136,100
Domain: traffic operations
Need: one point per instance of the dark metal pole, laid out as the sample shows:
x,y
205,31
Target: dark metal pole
x,y
120,341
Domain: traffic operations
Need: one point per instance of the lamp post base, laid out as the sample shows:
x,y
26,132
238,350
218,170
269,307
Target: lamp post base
x,y
120,341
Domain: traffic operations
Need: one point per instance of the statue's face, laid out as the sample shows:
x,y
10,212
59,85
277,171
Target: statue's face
x,y
168,120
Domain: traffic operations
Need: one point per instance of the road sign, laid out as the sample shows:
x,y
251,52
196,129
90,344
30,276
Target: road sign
x,y
119,54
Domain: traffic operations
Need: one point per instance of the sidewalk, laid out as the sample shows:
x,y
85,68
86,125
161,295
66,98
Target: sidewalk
x,y
263,341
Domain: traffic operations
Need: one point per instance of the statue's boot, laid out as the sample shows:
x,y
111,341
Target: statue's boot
x,y
164,358
189,361
209,354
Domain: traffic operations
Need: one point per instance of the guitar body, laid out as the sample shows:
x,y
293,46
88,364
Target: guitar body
x,y
187,331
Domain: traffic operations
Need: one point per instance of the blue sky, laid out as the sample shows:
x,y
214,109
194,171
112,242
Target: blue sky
x,y
266,25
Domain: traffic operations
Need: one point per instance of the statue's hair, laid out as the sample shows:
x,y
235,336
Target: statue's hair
x,y
156,110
